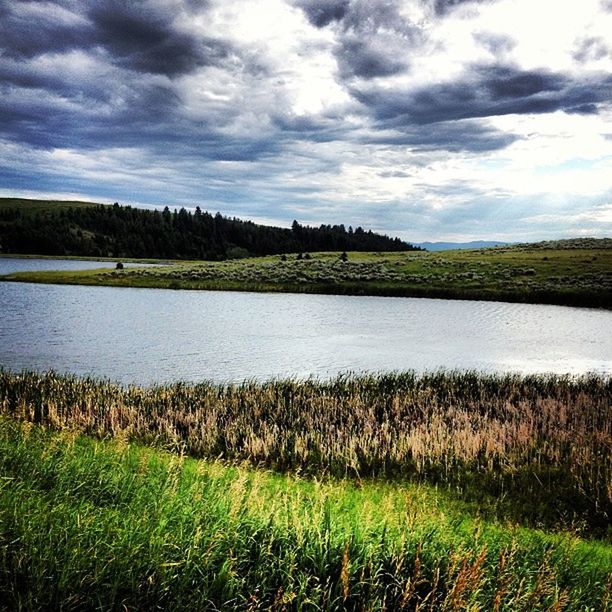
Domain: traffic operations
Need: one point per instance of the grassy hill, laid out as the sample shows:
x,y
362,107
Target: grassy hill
x,y
33,206
571,272
82,229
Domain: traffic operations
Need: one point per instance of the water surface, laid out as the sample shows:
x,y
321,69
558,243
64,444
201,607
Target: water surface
x,y
154,335
9,265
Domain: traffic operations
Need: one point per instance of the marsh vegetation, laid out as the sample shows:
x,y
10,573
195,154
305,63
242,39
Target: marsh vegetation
x,y
539,443
446,491
110,525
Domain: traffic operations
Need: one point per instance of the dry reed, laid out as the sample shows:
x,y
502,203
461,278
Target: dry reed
x,y
542,435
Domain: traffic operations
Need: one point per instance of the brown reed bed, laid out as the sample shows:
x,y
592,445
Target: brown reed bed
x,y
540,446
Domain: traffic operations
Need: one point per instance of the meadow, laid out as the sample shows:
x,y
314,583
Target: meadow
x,y
32,206
571,272
111,520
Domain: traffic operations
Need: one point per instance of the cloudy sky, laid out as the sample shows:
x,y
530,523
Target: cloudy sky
x,y
426,119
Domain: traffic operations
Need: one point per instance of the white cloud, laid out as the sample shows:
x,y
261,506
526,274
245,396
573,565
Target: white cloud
x,y
272,129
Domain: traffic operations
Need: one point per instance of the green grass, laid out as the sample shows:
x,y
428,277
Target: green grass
x,y
577,273
86,524
530,449
84,258
35,206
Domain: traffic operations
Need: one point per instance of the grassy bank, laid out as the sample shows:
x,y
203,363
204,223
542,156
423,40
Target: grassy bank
x,y
532,449
86,524
577,273
112,260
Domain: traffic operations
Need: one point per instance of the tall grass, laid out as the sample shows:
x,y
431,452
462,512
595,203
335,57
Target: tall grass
x,y
542,444
108,525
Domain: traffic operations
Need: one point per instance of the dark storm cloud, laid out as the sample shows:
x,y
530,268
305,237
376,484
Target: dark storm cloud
x,y
141,38
27,29
90,75
26,75
144,117
372,36
146,120
313,129
454,136
322,12
469,135
508,84
357,58
137,35
442,7
486,92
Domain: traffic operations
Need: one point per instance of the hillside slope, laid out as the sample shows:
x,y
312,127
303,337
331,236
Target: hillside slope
x,y
65,228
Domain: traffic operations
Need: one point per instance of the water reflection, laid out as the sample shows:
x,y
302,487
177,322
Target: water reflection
x,y
152,335
9,265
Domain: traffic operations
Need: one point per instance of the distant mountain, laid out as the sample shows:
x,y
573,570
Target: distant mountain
x,y
447,246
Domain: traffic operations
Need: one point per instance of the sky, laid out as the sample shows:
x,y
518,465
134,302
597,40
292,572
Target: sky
x,y
424,119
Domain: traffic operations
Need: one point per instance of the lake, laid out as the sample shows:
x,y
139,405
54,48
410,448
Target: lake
x,y
8,265
153,335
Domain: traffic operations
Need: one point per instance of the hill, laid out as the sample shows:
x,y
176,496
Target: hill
x,y
474,244
28,206
94,230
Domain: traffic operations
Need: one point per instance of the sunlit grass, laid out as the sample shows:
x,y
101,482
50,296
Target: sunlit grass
x,y
86,524
534,449
530,273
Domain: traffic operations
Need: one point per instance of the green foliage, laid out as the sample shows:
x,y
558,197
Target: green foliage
x,y
49,228
575,275
92,525
540,443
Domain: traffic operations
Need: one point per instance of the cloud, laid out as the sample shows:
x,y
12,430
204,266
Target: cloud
x,y
590,49
142,35
117,79
363,59
145,38
457,135
372,35
499,45
486,91
507,83
323,12
396,114
28,29
442,7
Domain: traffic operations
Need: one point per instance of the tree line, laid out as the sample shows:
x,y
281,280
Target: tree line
x,y
125,231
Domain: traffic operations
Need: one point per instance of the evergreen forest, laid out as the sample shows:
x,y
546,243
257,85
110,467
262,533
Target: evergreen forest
x,y
125,231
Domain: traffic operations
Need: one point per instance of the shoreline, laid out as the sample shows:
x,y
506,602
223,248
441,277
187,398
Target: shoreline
x,y
86,278
579,277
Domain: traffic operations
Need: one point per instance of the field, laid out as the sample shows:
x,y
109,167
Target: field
x,y
445,491
577,272
33,206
